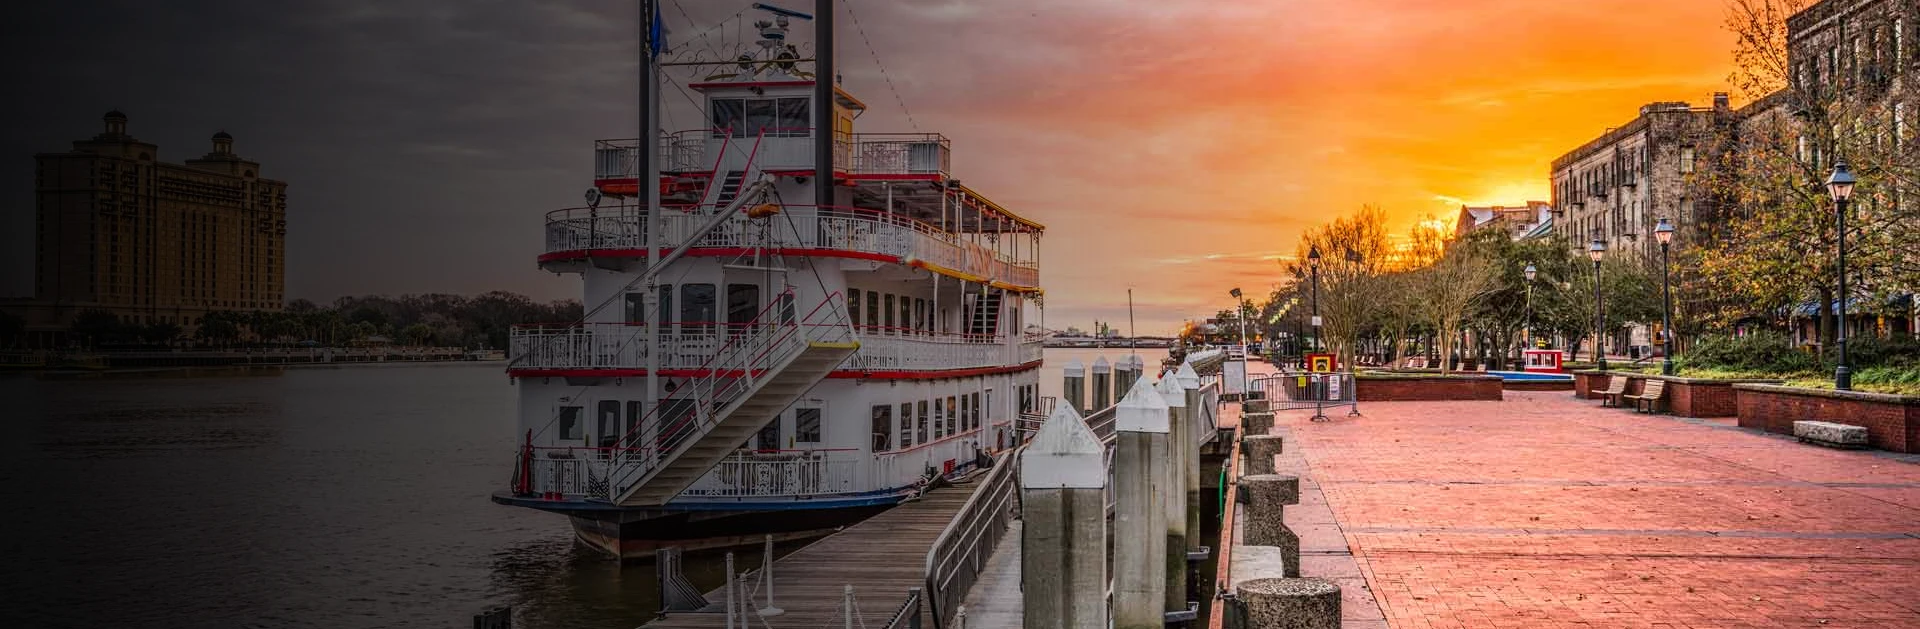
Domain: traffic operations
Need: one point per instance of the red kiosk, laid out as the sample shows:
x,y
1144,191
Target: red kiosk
x,y
1544,360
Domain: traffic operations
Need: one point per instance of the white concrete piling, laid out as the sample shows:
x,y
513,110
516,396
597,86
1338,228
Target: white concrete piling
x,y
1063,561
1073,386
1190,386
1139,515
1102,385
1173,500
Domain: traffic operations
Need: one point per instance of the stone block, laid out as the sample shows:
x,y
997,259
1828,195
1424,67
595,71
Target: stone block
x,y
1266,525
1290,603
1260,450
1258,423
1831,434
1255,406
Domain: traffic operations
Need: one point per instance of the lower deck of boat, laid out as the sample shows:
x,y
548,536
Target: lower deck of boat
x,y
880,557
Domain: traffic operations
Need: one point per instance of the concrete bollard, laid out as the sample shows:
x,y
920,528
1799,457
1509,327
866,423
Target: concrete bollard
x,y
1073,386
1190,385
1126,371
1266,525
1290,603
1102,385
1173,500
1256,406
1256,423
1260,450
1139,517
1063,561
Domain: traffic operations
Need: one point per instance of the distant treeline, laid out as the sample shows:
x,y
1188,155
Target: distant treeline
x,y
479,322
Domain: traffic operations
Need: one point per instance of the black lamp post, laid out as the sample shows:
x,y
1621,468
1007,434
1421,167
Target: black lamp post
x,y
1313,262
1840,185
1663,232
1597,250
1531,273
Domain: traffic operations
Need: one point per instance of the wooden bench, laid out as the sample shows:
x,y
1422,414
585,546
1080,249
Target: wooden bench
x,y
1616,388
1649,399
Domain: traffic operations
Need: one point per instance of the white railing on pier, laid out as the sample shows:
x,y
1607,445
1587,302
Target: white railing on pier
x,y
623,346
799,227
960,553
698,150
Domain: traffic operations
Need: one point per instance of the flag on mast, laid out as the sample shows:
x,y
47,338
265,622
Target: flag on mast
x,y
657,32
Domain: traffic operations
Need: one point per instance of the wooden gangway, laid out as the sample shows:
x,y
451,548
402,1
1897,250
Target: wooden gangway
x,y
882,558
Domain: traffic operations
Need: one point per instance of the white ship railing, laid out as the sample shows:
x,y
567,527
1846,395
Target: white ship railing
x,y
697,150
623,346
798,227
781,474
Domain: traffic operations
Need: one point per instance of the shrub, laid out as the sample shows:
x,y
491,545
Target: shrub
x,y
1871,351
1766,352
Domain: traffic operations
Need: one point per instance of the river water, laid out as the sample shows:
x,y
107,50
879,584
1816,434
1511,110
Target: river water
x,y
310,497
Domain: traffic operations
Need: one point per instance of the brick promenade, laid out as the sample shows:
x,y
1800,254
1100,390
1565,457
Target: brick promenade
x,y
1546,511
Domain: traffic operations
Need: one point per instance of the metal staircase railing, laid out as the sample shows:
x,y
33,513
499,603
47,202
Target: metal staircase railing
x,y
751,358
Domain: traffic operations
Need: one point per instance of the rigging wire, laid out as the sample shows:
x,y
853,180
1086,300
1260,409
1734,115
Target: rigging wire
x,y
883,67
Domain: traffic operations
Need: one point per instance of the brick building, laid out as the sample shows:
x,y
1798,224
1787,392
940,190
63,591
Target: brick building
x,y
1618,185
1517,221
153,242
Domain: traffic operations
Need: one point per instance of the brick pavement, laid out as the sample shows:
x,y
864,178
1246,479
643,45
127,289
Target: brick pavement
x,y
1547,511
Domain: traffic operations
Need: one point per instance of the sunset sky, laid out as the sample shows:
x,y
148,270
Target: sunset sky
x,y
1176,148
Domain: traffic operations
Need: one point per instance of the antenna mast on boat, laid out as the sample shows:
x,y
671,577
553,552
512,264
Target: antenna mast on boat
x,y
647,170
1133,333
823,101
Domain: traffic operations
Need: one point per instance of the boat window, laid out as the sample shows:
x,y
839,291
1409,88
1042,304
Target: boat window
x,y
853,306
793,120
966,415
760,117
666,307
882,427
873,308
953,416
939,419
906,312
743,303
697,308
730,113
636,308
806,425
636,410
570,428
920,434
920,314
786,307
987,407
888,314
978,411
675,415
906,423
608,423
770,435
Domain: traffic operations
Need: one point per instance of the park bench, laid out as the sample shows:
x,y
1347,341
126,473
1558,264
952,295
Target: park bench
x,y
1616,388
1830,434
1649,399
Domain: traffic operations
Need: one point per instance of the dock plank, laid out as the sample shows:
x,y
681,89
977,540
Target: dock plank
x,y
880,557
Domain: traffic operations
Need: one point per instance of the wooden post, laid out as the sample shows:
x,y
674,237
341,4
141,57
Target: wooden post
x,y
1102,385
1063,558
1173,500
1139,517
1073,386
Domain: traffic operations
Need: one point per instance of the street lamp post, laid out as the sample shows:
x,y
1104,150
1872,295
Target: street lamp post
x,y
1840,185
1527,335
1663,232
1240,312
1597,250
1313,262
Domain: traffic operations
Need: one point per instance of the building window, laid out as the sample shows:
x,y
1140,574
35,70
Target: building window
x,y
882,427
1686,159
806,425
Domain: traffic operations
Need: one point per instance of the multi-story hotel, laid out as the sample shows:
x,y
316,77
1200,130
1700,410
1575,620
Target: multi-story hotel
x,y
1617,186
153,242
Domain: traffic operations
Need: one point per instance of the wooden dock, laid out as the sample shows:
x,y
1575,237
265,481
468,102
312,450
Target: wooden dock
x,y
881,558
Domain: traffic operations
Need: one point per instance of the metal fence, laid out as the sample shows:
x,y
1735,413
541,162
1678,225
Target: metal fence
x,y
1296,390
961,552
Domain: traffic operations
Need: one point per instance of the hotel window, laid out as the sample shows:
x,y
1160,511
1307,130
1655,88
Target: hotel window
x,y
853,306
882,427
1686,159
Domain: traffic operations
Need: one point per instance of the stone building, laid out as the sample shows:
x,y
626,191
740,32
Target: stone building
x,y
1617,186
153,242
1517,221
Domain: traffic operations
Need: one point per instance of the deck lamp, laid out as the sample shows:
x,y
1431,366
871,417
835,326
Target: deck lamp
x,y
1597,250
1840,185
1663,232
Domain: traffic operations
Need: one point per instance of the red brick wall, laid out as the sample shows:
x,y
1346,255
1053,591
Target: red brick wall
x,y
1891,425
1537,385
1428,389
1701,399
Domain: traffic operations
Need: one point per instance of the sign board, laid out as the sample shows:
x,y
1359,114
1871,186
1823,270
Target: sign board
x,y
1316,321
1233,377
1333,388
1320,363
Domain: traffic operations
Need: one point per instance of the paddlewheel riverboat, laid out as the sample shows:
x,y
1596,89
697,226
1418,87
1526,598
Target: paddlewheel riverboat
x,y
789,327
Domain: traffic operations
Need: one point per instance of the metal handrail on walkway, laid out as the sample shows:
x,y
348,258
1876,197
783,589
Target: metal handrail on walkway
x,y
960,552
